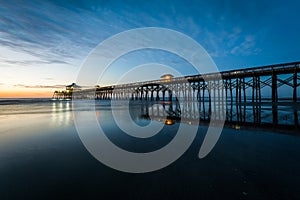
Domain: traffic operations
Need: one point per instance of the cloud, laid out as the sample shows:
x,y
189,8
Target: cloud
x,y
33,62
40,86
63,32
230,42
246,48
52,33
45,86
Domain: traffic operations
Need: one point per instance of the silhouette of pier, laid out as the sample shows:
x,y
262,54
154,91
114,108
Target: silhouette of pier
x,y
257,96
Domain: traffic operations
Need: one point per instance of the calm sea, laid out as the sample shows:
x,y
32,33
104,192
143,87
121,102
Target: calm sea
x,y
42,157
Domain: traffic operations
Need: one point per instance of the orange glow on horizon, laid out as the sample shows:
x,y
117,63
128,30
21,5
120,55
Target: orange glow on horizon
x,y
26,93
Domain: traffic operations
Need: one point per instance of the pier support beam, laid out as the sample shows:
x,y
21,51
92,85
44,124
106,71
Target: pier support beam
x,y
274,99
295,84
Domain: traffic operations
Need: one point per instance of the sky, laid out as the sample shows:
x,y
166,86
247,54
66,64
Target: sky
x,y
44,43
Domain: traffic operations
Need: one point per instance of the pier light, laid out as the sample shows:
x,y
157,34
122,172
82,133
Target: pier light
x,y
169,122
166,77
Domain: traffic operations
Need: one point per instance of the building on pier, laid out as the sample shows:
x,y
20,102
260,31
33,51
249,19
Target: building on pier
x,y
66,94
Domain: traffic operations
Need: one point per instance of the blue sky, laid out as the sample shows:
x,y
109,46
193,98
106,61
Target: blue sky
x,y
43,43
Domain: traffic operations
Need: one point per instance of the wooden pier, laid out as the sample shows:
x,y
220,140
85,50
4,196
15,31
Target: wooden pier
x,y
244,94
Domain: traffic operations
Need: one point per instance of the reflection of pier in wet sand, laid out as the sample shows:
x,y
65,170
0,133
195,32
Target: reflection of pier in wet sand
x,y
174,112
260,96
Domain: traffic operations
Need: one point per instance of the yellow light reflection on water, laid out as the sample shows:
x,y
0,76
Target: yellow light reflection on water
x,y
169,122
61,113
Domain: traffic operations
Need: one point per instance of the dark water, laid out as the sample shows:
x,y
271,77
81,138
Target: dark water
x,y
42,157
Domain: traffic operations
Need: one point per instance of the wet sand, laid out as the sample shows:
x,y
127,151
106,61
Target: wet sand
x,y
42,157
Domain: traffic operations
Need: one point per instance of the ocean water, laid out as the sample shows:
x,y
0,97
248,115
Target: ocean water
x,y
42,157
